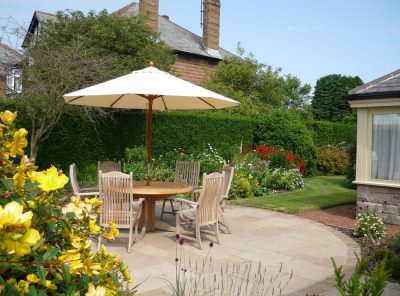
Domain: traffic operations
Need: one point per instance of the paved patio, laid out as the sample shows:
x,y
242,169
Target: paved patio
x,y
275,239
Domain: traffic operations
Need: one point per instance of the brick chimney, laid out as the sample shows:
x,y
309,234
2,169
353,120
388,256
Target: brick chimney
x,y
211,21
149,10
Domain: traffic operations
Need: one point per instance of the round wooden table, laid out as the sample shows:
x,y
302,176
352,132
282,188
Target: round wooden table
x,y
156,191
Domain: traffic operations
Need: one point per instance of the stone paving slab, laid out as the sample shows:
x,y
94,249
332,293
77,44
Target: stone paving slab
x,y
283,243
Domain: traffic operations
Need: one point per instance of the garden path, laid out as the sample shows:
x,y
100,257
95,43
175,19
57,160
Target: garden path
x,y
269,237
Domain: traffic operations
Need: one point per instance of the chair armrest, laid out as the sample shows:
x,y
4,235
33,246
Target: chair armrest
x,y
189,202
89,189
88,194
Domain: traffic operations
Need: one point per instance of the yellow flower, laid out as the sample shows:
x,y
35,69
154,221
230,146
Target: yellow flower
x,y
91,268
8,117
113,232
19,179
49,180
93,227
93,201
50,285
20,245
98,291
33,278
12,215
125,273
19,142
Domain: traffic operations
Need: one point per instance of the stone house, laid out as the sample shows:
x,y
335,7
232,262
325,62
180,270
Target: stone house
x,y
196,56
9,71
378,145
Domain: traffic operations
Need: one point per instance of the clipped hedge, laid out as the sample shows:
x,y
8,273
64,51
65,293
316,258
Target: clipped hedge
x,y
332,133
287,130
76,139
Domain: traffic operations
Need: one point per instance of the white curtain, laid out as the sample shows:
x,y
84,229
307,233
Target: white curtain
x,y
385,156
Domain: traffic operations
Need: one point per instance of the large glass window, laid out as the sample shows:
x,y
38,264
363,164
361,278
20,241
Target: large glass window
x,y
385,154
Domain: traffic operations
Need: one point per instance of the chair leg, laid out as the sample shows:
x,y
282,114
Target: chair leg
x,y
99,243
224,223
130,239
136,231
217,232
163,209
198,236
172,207
178,225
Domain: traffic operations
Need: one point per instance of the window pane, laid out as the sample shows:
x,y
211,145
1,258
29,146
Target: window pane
x,y
385,154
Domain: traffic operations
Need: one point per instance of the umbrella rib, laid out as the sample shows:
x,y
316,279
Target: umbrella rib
x,y
165,105
207,103
74,99
117,100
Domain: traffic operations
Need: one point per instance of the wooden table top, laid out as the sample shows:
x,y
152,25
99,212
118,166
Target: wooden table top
x,y
159,188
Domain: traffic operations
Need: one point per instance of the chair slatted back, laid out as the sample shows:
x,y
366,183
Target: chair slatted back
x,y
109,166
74,179
210,196
187,173
116,192
228,170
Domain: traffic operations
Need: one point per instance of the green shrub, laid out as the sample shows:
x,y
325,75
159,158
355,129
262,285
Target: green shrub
x,y
332,160
279,160
370,226
285,179
332,133
286,130
396,244
240,188
351,168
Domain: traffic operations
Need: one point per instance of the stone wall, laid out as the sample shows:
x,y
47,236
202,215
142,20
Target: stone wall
x,y
386,201
193,68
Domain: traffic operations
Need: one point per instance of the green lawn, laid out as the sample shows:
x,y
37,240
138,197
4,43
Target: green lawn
x,y
318,193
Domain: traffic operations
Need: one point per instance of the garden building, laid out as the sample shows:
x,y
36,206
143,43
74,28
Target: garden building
x,y
378,145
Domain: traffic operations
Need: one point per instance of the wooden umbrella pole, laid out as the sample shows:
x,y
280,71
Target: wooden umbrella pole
x,y
148,137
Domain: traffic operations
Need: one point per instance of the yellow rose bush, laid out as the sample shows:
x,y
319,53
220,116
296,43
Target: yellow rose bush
x,y
45,237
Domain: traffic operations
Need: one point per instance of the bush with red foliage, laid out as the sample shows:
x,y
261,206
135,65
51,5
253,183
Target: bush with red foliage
x,y
295,162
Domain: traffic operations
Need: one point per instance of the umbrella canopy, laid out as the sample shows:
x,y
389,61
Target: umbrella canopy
x,y
149,89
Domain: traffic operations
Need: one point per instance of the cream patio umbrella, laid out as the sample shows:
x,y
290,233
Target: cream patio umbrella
x,y
149,89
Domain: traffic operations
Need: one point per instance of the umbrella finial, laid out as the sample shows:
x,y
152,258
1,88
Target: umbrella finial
x,y
151,64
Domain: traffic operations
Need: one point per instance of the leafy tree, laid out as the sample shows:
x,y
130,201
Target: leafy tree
x,y
257,86
329,102
77,51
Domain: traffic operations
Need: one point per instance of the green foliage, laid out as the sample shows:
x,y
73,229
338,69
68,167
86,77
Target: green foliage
x,y
332,133
285,179
108,140
77,51
328,102
279,160
257,86
240,188
332,160
286,130
369,225
46,237
359,284
351,168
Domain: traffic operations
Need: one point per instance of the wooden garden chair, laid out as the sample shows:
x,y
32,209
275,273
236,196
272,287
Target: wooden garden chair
x,y
228,170
118,204
186,173
109,166
77,190
206,210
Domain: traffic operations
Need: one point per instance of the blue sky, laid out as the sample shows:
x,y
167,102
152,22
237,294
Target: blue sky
x,y
306,38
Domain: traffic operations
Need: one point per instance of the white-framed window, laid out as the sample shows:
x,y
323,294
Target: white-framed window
x,y
385,146
14,84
